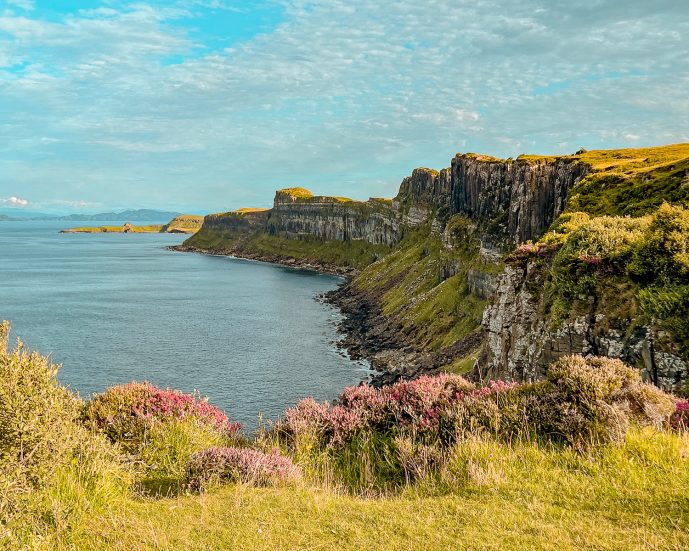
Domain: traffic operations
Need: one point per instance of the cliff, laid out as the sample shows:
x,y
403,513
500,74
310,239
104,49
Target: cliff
x,y
333,218
431,289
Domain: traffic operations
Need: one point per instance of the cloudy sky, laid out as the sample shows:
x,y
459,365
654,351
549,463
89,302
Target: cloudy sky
x,y
208,105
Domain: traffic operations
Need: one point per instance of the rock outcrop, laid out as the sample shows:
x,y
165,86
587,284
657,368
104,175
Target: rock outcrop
x,y
522,342
333,219
517,200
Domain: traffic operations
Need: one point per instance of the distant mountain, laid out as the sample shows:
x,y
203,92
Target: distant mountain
x,y
125,216
20,214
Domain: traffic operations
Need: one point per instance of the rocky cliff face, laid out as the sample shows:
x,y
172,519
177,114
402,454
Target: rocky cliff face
x,y
236,222
522,342
515,200
519,199
331,218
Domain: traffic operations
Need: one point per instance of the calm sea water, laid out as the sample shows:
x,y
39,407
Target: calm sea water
x,y
114,308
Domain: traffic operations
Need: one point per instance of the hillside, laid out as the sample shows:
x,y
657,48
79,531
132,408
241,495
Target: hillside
x,y
441,280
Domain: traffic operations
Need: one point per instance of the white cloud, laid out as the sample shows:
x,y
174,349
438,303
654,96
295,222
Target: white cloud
x,y
27,5
343,96
15,202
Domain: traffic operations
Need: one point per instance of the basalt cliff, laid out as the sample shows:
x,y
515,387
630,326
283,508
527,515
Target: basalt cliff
x,y
497,267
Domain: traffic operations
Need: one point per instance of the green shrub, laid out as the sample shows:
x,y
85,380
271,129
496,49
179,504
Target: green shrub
x,y
38,429
53,471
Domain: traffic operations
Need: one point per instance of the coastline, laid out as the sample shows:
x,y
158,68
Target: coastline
x,y
287,262
366,332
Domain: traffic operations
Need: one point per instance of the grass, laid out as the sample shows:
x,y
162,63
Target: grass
x,y
298,193
246,210
351,254
187,223
424,286
494,497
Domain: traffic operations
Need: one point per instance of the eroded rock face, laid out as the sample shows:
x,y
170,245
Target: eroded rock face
x,y
522,343
521,198
235,222
331,219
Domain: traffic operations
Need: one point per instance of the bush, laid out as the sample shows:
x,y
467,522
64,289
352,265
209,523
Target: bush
x,y
239,465
127,413
53,471
404,406
583,402
160,430
680,417
38,429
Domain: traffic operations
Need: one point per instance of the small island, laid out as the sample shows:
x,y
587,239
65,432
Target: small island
x,y
186,223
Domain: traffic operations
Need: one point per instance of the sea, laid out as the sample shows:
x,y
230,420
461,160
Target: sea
x,y
114,308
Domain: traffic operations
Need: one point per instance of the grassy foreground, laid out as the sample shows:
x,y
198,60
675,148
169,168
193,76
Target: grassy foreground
x,y
502,497
591,458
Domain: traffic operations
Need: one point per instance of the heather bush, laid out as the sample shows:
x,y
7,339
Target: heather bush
x,y
377,436
399,408
679,420
127,413
245,465
159,429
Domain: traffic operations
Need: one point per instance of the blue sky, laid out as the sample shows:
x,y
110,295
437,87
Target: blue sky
x,y
210,105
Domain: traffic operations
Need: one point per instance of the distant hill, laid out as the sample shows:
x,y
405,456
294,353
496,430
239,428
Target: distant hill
x,y
125,216
20,214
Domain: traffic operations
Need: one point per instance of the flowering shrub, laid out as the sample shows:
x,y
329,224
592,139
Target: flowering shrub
x,y
583,402
125,413
679,420
407,406
240,465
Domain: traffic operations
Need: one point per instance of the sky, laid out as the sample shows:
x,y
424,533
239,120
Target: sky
x,y
211,105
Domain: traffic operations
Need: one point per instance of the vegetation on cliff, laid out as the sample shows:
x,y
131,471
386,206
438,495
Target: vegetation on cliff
x,y
634,268
446,235
423,286
632,182
590,457
186,223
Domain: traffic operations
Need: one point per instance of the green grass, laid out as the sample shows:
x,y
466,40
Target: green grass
x,y
353,254
433,309
187,223
297,192
491,496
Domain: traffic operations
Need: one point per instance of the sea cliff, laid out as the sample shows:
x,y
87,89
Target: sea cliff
x,y
438,278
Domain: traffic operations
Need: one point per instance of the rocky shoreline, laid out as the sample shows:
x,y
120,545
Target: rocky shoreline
x,y
369,334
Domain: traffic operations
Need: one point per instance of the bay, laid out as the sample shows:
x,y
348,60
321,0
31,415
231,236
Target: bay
x,y
112,308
